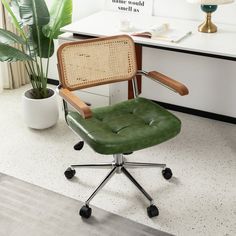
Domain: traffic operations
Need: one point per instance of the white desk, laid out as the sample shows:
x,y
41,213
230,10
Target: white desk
x,y
220,45
106,23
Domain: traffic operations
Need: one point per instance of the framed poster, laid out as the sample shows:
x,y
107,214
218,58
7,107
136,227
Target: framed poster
x,y
143,7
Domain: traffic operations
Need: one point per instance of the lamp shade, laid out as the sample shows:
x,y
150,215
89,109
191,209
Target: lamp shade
x,y
211,2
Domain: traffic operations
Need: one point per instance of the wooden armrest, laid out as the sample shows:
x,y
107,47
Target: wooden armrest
x,y
75,101
173,84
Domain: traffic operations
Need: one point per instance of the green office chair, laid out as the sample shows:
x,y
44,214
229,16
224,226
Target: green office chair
x,y
116,129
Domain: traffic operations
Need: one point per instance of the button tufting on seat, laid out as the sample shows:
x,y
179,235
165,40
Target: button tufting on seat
x,y
151,124
114,131
100,119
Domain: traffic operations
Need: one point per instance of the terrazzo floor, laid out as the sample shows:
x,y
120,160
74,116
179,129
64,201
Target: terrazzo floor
x,y
199,200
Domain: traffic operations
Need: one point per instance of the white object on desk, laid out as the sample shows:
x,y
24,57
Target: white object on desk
x,y
126,25
172,35
159,29
153,31
164,33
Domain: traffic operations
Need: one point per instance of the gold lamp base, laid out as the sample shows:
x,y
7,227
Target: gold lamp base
x,y
207,26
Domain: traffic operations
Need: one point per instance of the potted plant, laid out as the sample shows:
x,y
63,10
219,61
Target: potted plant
x,y
37,28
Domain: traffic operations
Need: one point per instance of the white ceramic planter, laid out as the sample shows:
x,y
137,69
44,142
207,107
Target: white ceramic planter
x,y
40,113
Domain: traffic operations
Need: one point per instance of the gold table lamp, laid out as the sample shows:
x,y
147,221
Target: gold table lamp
x,y
209,6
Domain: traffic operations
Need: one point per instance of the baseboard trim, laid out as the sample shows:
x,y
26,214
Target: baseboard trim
x,y
53,81
200,113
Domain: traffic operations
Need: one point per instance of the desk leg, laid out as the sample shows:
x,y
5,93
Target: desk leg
x,y
138,49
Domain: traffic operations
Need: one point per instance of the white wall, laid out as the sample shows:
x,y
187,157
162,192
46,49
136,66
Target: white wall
x,y
83,8
183,9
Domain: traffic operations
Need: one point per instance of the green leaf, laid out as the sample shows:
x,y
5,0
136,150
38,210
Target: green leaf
x,y
14,5
8,37
34,12
60,15
44,43
15,20
32,46
11,54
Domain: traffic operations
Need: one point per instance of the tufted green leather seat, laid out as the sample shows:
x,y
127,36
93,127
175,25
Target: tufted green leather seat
x,y
125,127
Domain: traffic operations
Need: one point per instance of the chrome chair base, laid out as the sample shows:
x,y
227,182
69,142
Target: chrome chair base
x,y
118,166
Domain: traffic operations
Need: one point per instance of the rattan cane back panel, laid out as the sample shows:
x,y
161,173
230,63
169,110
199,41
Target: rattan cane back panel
x,y
98,61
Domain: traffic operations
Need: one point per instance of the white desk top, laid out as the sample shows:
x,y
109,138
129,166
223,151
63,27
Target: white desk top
x,y
106,23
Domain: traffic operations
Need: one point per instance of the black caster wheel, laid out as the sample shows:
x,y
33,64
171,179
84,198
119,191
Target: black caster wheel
x,y
69,173
85,211
152,211
78,146
167,173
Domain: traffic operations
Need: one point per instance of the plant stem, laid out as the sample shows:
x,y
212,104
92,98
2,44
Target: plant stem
x,y
49,51
31,81
31,66
44,91
34,84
